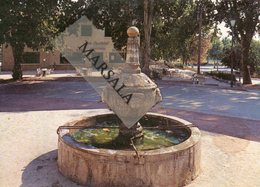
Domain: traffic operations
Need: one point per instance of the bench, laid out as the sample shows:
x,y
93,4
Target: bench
x,y
42,72
198,79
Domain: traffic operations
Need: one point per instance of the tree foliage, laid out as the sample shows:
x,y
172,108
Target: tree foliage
x,y
171,29
115,17
254,56
172,32
205,47
177,36
33,23
253,60
216,51
247,15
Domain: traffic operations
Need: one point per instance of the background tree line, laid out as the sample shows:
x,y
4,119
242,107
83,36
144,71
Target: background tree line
x,y
169,29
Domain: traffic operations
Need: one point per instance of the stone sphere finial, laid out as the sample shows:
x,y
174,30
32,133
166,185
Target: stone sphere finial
x,y
133,31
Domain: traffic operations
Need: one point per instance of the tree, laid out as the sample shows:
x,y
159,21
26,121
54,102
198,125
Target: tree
x,y
226,43
148,16
205,46
247,14
254,56
33,24
236,57
216,51
253,60
165,26
174,34
116,16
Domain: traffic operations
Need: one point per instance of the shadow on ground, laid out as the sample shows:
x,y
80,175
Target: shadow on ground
x,y
67,95
48,95
243,129
43,171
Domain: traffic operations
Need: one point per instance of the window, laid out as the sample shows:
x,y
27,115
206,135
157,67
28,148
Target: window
x,y
75,58
31,57
100,56
115,58
86,30
63,60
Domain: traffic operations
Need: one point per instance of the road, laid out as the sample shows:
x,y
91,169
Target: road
x,y
53,95
210,100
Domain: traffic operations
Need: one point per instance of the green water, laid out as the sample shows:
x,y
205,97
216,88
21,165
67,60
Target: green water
x,y
107,138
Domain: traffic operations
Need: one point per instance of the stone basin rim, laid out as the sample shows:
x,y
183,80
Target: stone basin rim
x,y
193,139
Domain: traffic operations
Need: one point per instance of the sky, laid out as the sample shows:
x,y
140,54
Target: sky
x,y
225,31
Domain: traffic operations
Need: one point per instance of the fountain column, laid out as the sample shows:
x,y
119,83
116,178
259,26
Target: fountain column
x,y
132,67
132,55
144,92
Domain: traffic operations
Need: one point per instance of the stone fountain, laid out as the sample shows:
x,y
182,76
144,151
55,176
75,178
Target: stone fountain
x,y
119,158
145,91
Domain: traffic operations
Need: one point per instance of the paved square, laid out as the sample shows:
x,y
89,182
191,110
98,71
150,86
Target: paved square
x,y
31,111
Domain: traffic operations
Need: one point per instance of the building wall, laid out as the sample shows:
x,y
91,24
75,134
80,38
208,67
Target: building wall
x,y
46,60
73,37
7,58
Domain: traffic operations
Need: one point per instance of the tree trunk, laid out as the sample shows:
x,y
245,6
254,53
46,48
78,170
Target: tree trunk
x,y
17,54
244,61
184,60
199,44
148,10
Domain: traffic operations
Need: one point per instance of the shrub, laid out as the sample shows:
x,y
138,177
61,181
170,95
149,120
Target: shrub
x,y
222,75
155,74
258,70
178,65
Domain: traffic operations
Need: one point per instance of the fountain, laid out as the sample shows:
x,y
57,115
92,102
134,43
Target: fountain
x,y
129,147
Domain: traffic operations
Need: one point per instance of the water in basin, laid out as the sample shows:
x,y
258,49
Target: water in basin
x,y
154,138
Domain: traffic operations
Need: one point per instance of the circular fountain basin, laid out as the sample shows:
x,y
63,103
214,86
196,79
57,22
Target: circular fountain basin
x,y
169,166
